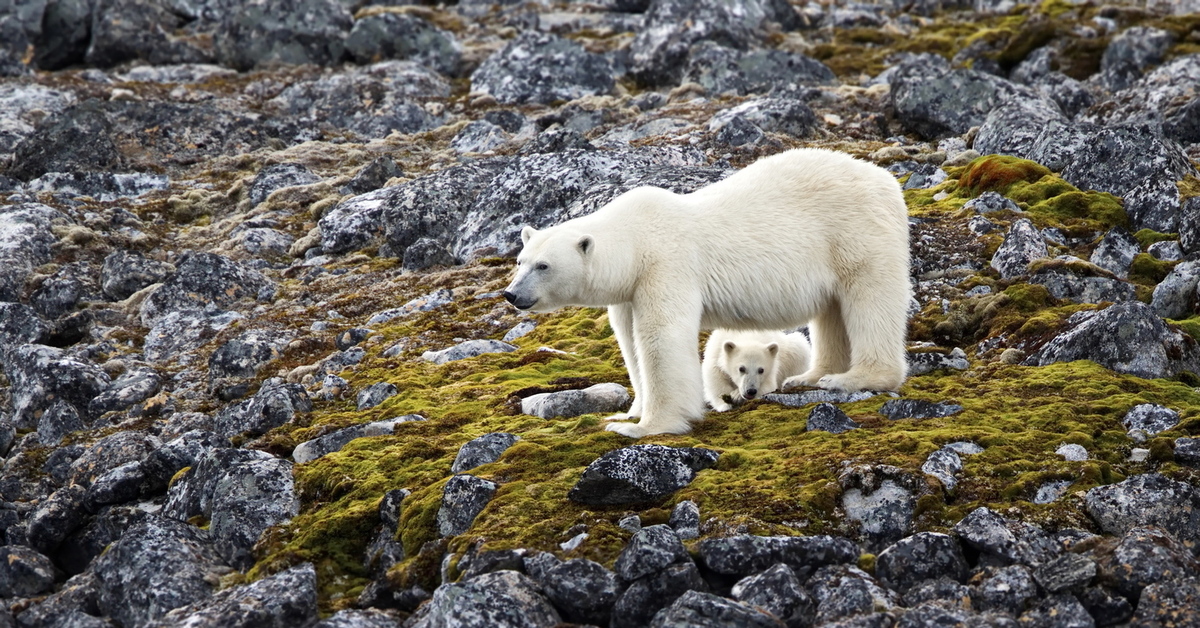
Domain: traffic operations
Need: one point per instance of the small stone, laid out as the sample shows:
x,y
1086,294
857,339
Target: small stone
x,y
25,573
500,599
1173,603
463,498
1072,452
467,349
287,598
632,523
599,398
744,555
800,399
1058,611
1009,590
826,417
685,519
1051,491
651,550
375,394
943,464
991,202
644,597
1150,419
1116,251
483,450
335,441
917,409
639,474
1187,451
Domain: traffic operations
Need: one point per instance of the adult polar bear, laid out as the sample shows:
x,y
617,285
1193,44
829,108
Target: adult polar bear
x,y
808,236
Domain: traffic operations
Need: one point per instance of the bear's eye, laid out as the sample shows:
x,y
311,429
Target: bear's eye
x,y
760,371
542,266
742,370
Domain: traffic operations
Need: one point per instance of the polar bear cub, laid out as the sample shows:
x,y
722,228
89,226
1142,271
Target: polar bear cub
x,y
748,364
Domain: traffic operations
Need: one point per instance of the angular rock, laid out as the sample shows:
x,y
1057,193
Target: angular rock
x,y
1065,573
202,279
133,386
78,139
65,290
102,186
643,598
639,474
883,510
943,464
25,241
156,566
241,357
283,31
745,555
24,572
1175,295
273,405
403,36
936,103
1187,451
282,600
373,176
778,591
1010,541
111,452
1146,500
598,398
1189,225
1125,337
483,450
651,550
685,519
722,70
467,349
922,362
116,486
582,590
1169,603
56,517
374,395
1142,557
1010,590
334,441
800,399
479,136
276,177
1013,128
843,591
1116,251
39,375
695,608
426,253
991,201
1072,452
464,497
1150,419
59,420
895,409
921,556
502,599
1130,53
160,465
826,417
542,68
247,499
1023,244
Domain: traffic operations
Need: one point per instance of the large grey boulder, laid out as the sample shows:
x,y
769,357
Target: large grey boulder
x,y
200,280
542,68
745,555
1130,53
639,474
582,590
936,102
723,70
1013,128
274,404
1146,500
178,332
283,600
500,599
1175,295
1125,337
283,31
403,36
1023,244
41,375
920,557
598,398
25,240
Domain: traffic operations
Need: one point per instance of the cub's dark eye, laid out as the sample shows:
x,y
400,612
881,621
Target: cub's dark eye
x,y
742,369
542,266
760,371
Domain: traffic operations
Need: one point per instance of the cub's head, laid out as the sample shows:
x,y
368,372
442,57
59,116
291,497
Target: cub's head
x,y
751,365
551,269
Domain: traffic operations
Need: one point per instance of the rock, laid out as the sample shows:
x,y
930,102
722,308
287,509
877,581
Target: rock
x,y
1167,251
1189,225
178,332
375,394
1130,53
202,279
102,186
25,241
133,386
1169,603
1010,541
695,608
1187,451
274,404
160,465
745,555
935,102
157,565
373,176
922,362
598,398
247,499
685,520
1104,161
463,498
467,349
1072,452
800,399
353,618
921,556
826,417
1143,556
65,290
882,506
542,68
40,375
479,136
1125,337
116,486
1023,244
722,70
78,595
1081,283
426,253
895,409
1116,251
843,591
335,441
644,597
777,591
501,599
1065,573
1146,500
20,325
126,30
1150,419
639,474
24,572
424,303
1013,128
264,243
582,590
283,31
652,549
1008,590
59,420
78,139
943,464
1058,611
276,177
56,517
1175,295
403,36
991,201
483,450
282,600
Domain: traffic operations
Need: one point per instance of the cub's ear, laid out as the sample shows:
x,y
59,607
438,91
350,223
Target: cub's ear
x,y
729,346
527,233
773,348
586,244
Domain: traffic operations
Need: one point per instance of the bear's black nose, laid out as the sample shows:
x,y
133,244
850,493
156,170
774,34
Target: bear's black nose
x,y
510,297
751,392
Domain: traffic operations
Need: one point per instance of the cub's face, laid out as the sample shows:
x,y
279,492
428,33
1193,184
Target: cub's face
x,y
752,367
551,270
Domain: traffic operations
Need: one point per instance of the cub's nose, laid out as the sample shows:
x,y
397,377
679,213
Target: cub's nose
x,y
751,393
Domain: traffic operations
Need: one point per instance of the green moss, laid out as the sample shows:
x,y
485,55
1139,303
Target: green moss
x,y
998,173
1146,237
1148,271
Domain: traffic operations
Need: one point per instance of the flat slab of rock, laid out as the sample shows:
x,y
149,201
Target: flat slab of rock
x,y
826,417
483,450
468,349
922,362
806,397
600,398
334,441
639,474
917,409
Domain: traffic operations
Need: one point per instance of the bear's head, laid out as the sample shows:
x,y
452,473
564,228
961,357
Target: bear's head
x,y
552,269
751,365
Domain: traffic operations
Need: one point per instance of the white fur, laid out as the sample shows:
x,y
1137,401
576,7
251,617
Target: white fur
x,y
808,236
749,364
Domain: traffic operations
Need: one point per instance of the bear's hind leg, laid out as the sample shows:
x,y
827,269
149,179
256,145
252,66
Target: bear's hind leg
x,y
830,352
876,320
620,318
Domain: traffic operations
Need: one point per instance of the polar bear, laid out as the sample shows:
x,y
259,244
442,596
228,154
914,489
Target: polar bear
x,y
807,236
747,364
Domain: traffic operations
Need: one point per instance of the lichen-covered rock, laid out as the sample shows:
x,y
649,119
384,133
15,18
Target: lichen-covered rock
x,y
1130,53
1082,284
1125,337
464,497
778,591
25,241
1150,419
882,501
935,102
582,590
1013,128
773,115
644,597
375,394
1023,244
639,474
102,186
24,572
282,600
991,201
131,387
274,404
241,357
917,409
685,519
78,138
922,362
1146,500
467,349
57,421
919,557
160,465
722,70
479,136
826,417
65,290
334,441
157,565
501,599
373,176
1008,590
200,280
191,494
1067,572
542,68
246,499
695,608
1143,556
1187,451
283,31
598,398
483,450
277,177
116,486
844,591
1175,295
177,333
56,517
403,36
1010,541
1169,603
745,555
651,550
943,464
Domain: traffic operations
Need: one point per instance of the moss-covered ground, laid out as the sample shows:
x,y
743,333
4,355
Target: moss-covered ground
x,y
773,476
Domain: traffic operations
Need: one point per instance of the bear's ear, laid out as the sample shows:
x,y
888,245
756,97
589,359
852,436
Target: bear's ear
x,y
773,348
527,233
729,346
585,244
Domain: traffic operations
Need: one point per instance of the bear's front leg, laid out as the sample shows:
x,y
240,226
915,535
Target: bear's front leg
x,y
664,335
620,318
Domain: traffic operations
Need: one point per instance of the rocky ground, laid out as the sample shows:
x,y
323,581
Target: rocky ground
x,y
257,371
